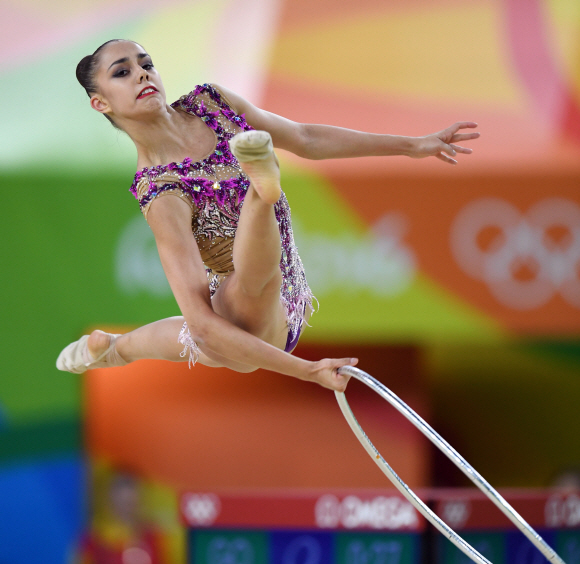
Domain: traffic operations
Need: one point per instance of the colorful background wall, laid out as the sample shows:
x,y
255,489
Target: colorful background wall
x,y
475,267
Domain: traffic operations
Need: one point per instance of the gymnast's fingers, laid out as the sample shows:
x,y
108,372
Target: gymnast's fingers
x,y
465,136
459,149
446,159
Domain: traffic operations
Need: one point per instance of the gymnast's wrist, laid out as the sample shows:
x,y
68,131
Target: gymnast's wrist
x,y
306,370
410,146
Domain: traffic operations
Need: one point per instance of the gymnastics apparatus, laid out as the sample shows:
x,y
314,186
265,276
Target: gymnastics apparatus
x,y
451,453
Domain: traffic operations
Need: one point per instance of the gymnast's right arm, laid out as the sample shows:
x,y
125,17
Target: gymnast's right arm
x,y
170,220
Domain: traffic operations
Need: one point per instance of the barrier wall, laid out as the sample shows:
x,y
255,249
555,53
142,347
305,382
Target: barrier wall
x,y
365,526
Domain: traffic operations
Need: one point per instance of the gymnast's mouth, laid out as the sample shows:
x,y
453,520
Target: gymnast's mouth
x,y
147,91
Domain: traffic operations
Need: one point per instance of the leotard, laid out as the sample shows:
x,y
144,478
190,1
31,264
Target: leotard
x,y
215,187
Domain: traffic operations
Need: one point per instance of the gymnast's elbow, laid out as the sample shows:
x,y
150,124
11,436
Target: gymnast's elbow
x,y
200,322
307,147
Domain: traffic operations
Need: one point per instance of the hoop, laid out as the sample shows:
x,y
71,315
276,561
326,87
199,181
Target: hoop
x,y
451,453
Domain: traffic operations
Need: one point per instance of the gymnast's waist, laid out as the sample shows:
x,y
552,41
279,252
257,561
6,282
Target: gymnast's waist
x,y
217,254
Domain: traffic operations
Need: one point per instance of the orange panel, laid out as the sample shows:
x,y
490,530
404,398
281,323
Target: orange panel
x,y
213,428
433,206
298,13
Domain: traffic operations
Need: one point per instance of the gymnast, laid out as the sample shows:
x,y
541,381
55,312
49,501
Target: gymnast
x,y
225,236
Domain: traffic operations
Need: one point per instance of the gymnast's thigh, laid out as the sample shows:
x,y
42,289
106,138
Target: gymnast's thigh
x,y
263,316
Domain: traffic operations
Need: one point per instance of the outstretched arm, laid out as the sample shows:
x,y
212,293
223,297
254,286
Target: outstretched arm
x,y
170,221
313,141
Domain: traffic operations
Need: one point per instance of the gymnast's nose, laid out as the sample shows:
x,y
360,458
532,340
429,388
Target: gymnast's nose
x,y
143,74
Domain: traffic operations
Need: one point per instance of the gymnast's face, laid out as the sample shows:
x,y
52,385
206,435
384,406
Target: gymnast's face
x,y
130,87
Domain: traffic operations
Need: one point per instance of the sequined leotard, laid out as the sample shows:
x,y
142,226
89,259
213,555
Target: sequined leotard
x,y
215,188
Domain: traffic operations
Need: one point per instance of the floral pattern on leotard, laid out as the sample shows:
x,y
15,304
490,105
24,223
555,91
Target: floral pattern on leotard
x,y
216,186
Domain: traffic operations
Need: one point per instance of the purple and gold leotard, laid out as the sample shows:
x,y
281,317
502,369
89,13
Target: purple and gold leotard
x,y
215,187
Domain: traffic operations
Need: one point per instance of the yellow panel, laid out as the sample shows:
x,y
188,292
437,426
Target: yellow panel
x,y
444,53
179,39
564,19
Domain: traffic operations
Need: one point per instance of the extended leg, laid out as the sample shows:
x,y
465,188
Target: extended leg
x,y
157,340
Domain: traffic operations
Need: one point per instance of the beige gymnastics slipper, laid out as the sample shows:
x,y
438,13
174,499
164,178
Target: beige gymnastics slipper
x,y
77,359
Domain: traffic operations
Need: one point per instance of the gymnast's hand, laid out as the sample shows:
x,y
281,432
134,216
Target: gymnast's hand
x,y
436,144
325,373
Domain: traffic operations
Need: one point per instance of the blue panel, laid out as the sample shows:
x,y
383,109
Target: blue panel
x,y
377,548
301,547
521,551
42,510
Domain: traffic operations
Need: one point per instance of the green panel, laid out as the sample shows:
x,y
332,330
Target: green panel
x,y
63,238
372,548
239,547
40,439
489,544
567,351
568,546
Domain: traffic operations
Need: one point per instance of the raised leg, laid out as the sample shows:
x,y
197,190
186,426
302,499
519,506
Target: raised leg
x,y
250,297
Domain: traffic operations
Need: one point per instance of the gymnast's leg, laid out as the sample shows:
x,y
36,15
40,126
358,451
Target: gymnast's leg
x,y
157,340
250,296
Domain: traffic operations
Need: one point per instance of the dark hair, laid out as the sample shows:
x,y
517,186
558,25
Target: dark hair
x,y
86,71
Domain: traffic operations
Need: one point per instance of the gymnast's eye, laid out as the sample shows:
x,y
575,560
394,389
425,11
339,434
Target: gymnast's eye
x,y
121,72
148,66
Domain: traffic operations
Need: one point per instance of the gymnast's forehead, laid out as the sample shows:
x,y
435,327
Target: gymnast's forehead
x,y
118,51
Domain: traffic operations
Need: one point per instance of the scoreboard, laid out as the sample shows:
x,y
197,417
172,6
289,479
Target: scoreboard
x,y
371,527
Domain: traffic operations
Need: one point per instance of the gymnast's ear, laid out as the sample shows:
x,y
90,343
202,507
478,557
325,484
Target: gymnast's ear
x,y
97,103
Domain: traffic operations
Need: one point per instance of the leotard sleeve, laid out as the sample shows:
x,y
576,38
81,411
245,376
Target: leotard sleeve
x,y
168,183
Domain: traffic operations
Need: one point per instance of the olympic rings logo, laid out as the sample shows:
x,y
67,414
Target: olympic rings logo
x,y
222,550
200,509
563,511
456,513
525,259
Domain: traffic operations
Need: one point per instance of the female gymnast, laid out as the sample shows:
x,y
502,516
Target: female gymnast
x,y
213,152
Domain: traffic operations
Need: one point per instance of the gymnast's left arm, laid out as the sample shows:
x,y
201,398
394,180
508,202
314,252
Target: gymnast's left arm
x,y
315,141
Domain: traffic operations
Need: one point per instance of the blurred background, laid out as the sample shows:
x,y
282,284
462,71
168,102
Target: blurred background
x,y
457,286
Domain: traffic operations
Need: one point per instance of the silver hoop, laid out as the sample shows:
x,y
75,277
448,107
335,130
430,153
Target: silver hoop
x,y
451,453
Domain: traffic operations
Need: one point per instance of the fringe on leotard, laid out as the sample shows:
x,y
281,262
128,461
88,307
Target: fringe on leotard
x,y
295,315
185,339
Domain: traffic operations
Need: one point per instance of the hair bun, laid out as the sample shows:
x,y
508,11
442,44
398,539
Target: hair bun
x,y
83,72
